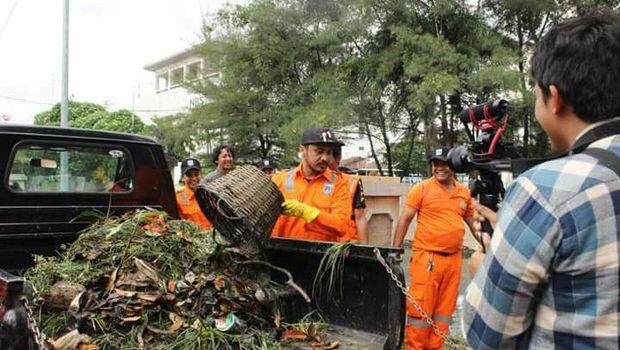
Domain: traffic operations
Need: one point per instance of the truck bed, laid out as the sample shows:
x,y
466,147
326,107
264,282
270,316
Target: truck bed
x,y
371,312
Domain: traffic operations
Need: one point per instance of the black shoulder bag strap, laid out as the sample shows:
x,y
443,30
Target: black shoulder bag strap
x,y
608,158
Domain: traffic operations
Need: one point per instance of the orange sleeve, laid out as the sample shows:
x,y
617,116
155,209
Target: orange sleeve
x,y
469,212
278,179
414,198
335,222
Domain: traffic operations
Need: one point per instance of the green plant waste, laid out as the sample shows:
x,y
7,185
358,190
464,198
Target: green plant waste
x,y
145,281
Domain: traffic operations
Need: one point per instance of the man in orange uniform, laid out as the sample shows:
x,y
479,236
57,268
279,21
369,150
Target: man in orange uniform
x,y
186,201
357,227
441,204
316,206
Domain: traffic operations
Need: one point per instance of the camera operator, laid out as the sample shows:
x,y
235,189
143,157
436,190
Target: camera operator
x,y
550,277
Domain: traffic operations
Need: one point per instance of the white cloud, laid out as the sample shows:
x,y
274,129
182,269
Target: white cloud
x,y
110,41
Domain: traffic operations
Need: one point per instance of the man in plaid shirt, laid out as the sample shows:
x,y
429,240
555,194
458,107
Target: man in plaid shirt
x,y
550,278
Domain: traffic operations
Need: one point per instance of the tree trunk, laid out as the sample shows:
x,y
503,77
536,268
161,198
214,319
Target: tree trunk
x,y
412,135
526,118
445,132
386,140
372,148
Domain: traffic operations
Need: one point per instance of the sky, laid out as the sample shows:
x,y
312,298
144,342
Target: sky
x,y
110,42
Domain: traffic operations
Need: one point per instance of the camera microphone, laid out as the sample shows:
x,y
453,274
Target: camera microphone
x,y
487,110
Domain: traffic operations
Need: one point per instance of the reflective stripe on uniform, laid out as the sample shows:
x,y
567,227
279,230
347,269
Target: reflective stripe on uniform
x,y
414,322
352,182
290,177
442,318
290,180
184,197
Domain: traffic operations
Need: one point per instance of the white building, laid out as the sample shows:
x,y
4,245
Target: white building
x,y
165,93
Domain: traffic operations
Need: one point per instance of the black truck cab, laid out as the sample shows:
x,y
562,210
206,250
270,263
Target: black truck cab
x,y
41,204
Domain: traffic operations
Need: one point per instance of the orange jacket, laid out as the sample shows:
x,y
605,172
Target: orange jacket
x,y
440,226
324,192
189,208
351,182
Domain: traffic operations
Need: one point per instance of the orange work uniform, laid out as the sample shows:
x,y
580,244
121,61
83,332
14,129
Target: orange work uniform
x,y
351,233
323,192
435,267
189,208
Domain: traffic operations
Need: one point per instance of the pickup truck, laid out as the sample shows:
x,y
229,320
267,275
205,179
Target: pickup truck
x,y
113,173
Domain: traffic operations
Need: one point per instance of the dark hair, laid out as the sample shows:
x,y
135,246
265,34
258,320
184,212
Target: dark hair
x,y
218,150
337,152
581,58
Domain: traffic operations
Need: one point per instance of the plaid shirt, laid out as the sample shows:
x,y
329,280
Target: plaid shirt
x,y
551,280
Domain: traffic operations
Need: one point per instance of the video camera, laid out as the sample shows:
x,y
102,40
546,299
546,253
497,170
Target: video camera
x,y
485,153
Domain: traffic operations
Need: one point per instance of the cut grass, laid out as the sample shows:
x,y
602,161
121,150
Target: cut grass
x,y
331,271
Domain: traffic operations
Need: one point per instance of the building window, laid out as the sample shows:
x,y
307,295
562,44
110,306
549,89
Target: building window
x,y
162,81
176,77
193,71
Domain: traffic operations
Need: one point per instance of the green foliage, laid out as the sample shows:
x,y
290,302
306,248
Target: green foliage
x,y
86,115
331,271
77,111
391,68
176,134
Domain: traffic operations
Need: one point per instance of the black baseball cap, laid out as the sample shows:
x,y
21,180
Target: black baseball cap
x,y
189,164
440,153
319,136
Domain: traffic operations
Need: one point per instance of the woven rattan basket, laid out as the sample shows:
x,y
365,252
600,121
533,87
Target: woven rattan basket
x,y
243,205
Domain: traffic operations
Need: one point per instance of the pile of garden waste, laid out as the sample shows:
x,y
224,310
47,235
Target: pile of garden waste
x,y
145,281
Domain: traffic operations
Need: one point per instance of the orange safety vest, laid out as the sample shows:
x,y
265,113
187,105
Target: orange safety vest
x,y
189,208
351,181
324,192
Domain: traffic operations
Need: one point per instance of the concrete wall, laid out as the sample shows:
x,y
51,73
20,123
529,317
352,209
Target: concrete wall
x,y
385,197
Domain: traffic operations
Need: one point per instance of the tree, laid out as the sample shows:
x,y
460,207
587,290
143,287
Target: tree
x,y
277,63
172,132
398,71
525,22
87,115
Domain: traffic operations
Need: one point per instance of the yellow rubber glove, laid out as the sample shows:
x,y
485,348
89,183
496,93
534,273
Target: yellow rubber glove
x,y
293,207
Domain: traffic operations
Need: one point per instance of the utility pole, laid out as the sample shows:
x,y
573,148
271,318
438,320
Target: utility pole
x,y
64,102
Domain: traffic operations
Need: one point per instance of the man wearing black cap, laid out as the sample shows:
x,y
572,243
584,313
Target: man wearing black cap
x,y
186,201
441,204
316,206
267,168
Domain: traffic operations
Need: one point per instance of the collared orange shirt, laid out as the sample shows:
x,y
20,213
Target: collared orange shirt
x,y
324,192
440,225
189,208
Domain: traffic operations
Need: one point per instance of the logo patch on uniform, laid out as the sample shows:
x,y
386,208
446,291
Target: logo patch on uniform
x,y
190,162
328,188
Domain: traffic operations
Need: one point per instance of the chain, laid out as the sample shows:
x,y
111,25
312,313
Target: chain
x,y
449,342
39,337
